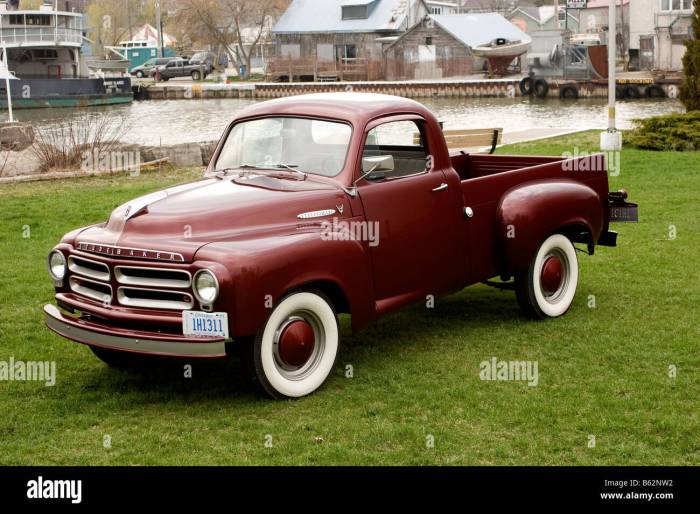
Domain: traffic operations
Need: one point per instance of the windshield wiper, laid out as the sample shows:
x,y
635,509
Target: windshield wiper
x,y
292,167
225,171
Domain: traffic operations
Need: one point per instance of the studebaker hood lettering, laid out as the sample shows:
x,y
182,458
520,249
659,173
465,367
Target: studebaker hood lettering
x,y
179,220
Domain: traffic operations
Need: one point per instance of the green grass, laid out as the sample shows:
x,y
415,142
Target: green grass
x,y
603,371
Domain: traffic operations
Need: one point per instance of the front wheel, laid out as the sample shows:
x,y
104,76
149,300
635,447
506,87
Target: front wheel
x,y
294,352
548,287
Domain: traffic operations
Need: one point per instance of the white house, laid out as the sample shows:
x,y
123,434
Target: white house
x,y
658,31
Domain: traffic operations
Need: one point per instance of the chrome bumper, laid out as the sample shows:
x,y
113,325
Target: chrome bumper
x,y
86,333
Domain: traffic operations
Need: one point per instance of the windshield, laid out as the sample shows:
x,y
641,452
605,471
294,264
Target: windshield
x,y
312,146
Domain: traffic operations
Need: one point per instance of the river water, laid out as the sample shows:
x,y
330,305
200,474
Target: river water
x,y
182,121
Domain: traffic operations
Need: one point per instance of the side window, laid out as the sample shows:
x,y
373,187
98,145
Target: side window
x,y
404,142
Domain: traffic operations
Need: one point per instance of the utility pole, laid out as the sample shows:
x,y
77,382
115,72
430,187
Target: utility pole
x,y
159,28
611,141
131,30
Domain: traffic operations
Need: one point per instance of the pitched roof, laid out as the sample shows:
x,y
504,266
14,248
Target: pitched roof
x,y
326,16
479,28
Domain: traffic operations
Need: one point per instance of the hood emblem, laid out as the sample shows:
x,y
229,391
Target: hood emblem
x,y
341,208
316,214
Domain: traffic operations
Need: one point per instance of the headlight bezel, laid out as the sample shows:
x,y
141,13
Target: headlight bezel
x,y
64,265
195,289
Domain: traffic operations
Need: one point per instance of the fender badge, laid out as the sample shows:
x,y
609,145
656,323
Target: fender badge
x,y
128,210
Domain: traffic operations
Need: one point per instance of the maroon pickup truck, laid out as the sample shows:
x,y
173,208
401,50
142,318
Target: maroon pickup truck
x,y
314,206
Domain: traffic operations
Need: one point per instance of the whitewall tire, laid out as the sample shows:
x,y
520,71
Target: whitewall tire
x,y
547,289
293,354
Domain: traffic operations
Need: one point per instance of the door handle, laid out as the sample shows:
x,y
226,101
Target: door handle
x,y
441,187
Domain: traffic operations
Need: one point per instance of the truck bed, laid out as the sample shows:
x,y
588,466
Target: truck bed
x,y
471,166
486,179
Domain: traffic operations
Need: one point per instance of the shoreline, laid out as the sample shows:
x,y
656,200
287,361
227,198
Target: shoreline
x,y
448,88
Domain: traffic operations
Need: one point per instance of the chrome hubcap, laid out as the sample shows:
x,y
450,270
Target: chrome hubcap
x,y
298,345
554,276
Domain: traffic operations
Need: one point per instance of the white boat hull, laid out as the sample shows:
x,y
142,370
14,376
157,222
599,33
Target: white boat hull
x,y
508,50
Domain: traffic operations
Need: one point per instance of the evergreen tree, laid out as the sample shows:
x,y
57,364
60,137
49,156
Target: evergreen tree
x,y
690,90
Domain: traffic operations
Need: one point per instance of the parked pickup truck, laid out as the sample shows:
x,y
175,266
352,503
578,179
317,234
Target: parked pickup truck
x,y
181,68
314,206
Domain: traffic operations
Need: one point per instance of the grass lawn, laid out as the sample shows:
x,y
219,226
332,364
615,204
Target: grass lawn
x,y
603,370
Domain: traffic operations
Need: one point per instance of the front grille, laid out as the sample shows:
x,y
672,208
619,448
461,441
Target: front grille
x,y
154,298
88,268
152,277
136,286
91,289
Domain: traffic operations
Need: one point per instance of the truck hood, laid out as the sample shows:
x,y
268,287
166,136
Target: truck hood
x,y
174,223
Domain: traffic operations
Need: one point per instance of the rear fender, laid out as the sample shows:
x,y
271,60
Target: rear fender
x,y
528,214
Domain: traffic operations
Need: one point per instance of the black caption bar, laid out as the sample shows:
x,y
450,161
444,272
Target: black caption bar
x,y
138,486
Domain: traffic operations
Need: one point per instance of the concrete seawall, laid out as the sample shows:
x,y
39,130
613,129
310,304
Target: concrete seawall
x,y
506,88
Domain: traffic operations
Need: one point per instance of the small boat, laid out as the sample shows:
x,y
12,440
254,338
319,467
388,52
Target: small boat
x,y
502,48
500,53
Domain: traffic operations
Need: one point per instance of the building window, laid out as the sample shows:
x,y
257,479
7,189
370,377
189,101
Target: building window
x,y
355,12
676,5
344,53
436,10
428,41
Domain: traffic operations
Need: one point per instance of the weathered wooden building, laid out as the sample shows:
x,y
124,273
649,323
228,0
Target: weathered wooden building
x,y
440,46
339,39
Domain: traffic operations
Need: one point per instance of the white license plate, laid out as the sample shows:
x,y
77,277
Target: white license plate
x,y
205,324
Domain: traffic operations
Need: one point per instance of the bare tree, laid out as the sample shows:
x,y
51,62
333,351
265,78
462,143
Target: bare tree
x,y
238,26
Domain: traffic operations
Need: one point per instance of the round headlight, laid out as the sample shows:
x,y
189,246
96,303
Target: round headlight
x,y
206,287
57,265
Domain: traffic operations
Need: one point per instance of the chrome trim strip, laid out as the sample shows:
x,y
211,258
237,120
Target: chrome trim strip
x,y
76,268
56,322
316,214
93,294
147,303
152,282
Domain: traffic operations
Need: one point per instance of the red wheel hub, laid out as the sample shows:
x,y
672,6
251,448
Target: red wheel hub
x,y
296,343
551,275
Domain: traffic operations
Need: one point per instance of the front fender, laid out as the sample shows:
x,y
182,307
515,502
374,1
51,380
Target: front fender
x,y
528,214
263,270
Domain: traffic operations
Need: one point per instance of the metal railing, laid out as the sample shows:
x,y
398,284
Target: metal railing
x,y
25,35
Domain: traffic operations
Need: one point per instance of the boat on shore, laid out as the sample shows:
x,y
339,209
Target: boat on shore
x,y
501,48
501,52
43,48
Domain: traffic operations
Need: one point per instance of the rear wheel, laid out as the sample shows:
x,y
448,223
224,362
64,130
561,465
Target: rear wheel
x,y
294,352
196,75
548,287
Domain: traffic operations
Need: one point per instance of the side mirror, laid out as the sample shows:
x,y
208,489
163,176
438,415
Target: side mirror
x,y
375,168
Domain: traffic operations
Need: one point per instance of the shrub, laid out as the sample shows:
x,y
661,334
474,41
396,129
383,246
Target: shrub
x,y
675,132
64,146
